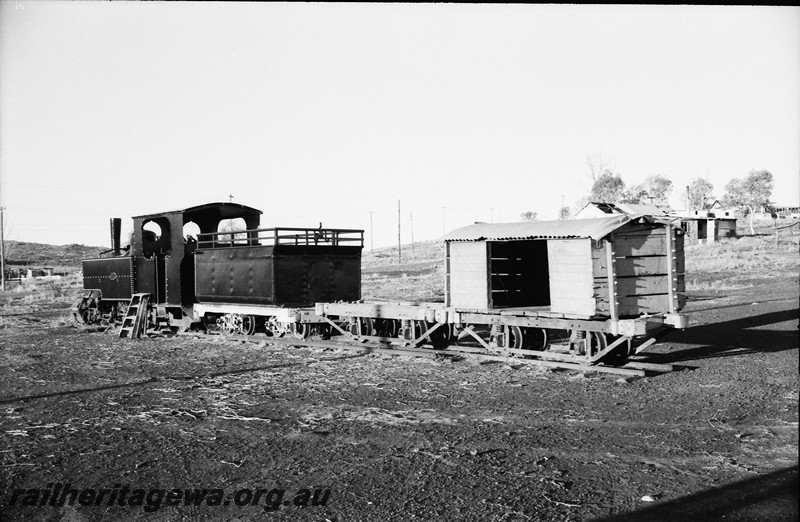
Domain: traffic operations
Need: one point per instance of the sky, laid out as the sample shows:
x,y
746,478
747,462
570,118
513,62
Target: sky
x,y
334,113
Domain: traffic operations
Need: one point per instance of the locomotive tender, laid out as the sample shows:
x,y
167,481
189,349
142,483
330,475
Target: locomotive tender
x,y
585,292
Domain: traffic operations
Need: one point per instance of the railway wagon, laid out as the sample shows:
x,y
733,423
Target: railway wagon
x,y
573,290
611,267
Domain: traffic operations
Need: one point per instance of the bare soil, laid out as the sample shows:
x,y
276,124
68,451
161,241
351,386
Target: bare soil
x,y
400,438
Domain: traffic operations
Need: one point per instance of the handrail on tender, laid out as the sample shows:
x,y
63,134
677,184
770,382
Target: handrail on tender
x,y
282,236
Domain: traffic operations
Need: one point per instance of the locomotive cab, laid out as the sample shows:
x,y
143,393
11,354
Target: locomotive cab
x,y
159,261
164,248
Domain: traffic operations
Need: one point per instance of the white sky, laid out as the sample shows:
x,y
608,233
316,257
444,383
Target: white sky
x,y
327,112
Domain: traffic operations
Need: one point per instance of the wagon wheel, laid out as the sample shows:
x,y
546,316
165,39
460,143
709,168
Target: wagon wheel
x,y
419,327
386,328
535,339
514,338
275,329
620,354
249,324
365,326
441,337
324,331
596,343
301,330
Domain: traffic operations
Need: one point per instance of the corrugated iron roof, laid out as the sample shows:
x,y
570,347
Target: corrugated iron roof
x,y
564,229
641,208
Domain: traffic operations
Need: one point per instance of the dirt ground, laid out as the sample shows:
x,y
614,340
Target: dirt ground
x,y
400,438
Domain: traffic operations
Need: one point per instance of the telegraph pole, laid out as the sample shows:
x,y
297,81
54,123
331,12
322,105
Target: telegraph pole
x,y
371,245
412,234
2,252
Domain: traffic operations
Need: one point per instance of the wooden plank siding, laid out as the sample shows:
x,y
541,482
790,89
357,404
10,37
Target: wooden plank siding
x,y
468,278
639,266
642,271
571,278
635,245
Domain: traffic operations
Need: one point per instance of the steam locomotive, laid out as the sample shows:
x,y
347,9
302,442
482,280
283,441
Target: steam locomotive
x,y
573,291
267,273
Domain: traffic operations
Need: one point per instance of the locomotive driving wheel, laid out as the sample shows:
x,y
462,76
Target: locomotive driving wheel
x,y
87,310
119,312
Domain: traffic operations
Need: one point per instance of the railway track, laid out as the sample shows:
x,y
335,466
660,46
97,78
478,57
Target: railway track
x,y
631,368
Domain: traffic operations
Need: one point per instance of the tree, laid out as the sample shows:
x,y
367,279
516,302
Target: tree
x,y
529,216
564,213
658,188
598,165
752,192
699,191
635,194
608,188
232,225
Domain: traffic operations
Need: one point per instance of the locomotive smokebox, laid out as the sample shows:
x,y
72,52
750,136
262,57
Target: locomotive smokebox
x,y
116,231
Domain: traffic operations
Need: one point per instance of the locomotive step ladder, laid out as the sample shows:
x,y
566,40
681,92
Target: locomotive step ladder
x,y
135,317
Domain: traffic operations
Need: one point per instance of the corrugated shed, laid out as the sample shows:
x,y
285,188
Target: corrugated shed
x,y
564,229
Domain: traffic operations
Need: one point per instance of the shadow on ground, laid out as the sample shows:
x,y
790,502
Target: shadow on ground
x,y
736,337
770,497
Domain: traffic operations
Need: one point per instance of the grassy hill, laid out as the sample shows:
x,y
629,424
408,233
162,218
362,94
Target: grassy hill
x,y
20,253
417,276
